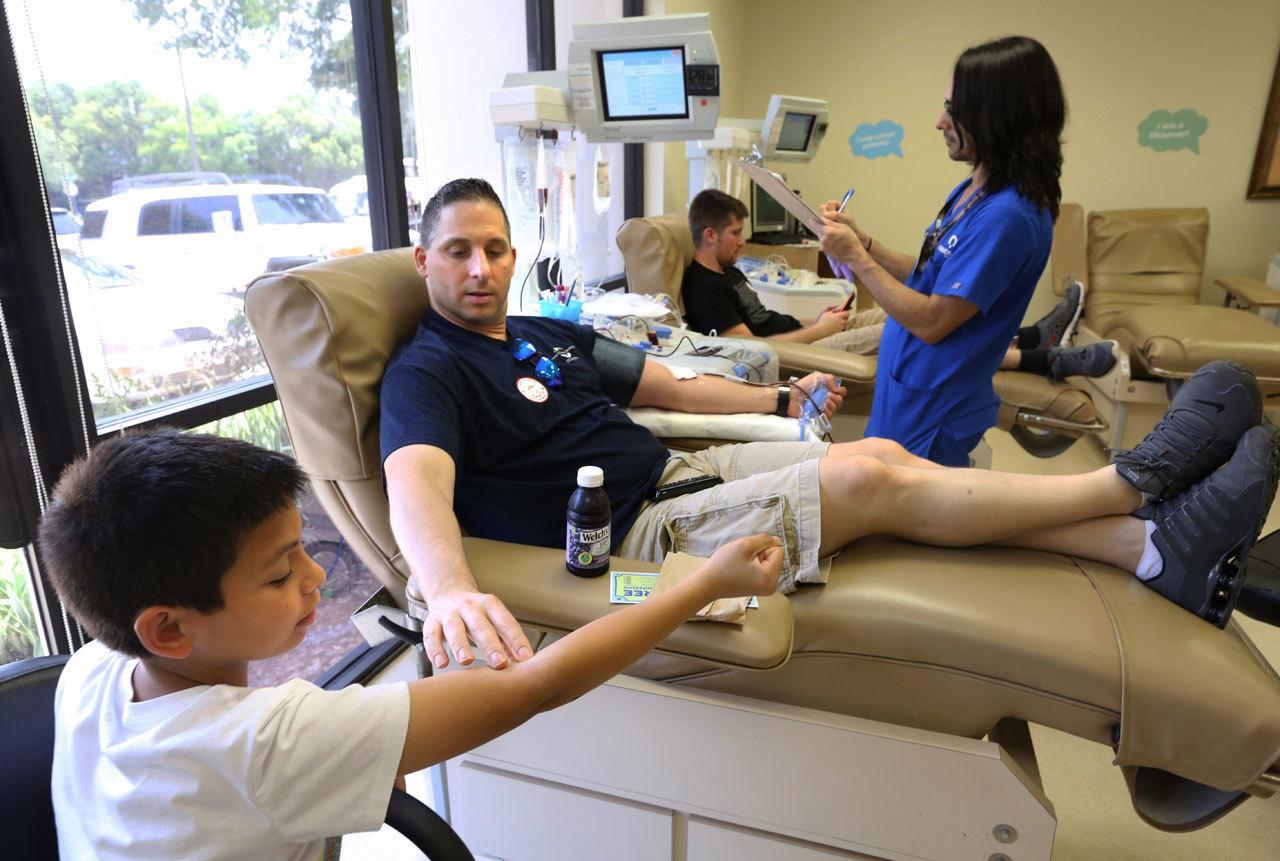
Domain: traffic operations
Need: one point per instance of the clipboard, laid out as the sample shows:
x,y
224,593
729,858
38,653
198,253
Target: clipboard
x,y
773,185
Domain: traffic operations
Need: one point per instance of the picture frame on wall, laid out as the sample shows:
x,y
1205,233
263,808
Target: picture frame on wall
x,y
1264,182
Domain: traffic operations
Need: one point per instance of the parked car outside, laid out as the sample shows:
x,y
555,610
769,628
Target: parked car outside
x,y
141,342
217,237
65,222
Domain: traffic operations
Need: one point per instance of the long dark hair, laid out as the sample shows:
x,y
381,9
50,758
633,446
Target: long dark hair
x,y
1008,97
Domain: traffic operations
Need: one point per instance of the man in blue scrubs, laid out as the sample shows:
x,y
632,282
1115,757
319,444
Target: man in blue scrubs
x,y
954,308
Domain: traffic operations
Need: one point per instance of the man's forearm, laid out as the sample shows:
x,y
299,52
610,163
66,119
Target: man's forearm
x,y
708,394
803,335
913,311
897,265
427,531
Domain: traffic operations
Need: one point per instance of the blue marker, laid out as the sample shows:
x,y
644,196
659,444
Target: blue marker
x,y
848,196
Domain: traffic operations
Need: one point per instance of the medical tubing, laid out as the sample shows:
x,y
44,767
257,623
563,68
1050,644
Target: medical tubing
x,y
536,256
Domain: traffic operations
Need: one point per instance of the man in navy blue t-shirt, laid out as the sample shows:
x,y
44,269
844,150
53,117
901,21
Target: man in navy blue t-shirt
x,y
485,420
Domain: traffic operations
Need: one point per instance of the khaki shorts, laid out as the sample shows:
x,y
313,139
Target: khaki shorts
x,y
769,487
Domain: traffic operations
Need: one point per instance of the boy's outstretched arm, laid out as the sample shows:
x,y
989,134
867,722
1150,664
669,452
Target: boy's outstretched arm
x,y
455,712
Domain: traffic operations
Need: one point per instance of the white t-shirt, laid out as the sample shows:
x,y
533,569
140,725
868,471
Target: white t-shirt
x,y
217,772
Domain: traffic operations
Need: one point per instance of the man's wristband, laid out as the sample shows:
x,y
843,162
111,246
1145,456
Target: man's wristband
x,y
867,247
784,401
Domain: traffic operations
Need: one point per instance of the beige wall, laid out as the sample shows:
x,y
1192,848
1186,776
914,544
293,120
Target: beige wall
x,y
733,39
1119,61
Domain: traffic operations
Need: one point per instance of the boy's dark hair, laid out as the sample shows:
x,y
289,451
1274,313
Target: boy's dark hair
x,y
157,517
715,209
452,192
1008,96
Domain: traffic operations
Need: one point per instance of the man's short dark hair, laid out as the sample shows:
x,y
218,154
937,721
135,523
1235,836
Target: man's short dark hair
x,y
715,209
157,517
455,191
1008,97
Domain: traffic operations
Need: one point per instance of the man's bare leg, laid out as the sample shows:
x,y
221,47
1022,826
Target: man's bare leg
x,y
1115,540
862,495
883,450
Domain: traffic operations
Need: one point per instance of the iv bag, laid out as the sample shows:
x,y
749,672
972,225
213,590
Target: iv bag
x,y
711,173
519,193
600,198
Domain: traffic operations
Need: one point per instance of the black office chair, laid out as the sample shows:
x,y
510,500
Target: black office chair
x,y
26,749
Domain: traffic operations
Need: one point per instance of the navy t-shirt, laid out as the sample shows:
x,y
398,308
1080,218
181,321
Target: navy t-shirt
x,y
992,257
516,444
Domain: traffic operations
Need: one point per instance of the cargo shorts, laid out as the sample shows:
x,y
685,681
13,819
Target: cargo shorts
x,y
769,487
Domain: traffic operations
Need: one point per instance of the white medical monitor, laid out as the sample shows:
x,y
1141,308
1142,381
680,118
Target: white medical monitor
x,y
645,79
793,128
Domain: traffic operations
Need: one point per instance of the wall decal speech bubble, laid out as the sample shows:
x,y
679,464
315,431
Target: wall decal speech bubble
x,y
1163,131
877,140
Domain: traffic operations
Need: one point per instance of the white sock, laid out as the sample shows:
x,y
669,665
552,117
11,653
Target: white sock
x,y
1150,565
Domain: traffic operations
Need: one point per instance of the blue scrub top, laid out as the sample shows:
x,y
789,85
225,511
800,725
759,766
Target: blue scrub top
x,y
937,399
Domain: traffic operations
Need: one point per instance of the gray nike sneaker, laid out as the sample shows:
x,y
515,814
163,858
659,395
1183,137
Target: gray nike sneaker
x,y
1057,327
1197,434
1204,536
1092,360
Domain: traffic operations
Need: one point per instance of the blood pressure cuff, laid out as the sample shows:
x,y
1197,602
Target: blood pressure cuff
x,y
620,368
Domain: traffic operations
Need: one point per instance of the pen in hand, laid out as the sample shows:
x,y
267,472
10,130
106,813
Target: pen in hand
x,y
848,196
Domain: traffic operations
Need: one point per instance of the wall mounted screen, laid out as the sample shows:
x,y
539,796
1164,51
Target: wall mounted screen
x,y
643,84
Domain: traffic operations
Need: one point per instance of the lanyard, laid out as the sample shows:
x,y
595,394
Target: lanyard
x,y
935,231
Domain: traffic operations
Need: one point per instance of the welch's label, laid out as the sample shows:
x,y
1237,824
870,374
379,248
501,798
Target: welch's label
x,y
586,548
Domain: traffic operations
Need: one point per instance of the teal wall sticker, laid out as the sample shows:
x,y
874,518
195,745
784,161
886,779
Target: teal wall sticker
x,y
1163,131
877,141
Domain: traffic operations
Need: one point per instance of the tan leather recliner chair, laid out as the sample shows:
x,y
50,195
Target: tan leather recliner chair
x,y
1142,275
1043,416
1141,269
954,641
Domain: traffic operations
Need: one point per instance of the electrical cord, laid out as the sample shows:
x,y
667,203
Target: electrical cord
x,y
537,255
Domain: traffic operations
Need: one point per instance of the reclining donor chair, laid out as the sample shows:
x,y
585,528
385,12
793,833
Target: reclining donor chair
x,y
1045,417
881,715
1142,270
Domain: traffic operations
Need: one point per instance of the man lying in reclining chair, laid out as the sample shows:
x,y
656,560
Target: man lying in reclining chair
x,y
485,420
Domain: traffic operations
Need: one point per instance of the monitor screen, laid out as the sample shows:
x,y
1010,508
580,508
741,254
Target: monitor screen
x,y
767,215
795,132
643,84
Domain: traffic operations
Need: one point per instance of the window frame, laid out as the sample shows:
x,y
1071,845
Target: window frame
x,y
49,364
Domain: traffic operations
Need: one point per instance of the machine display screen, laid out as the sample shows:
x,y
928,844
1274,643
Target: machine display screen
x,y
767,215
795,132
643,84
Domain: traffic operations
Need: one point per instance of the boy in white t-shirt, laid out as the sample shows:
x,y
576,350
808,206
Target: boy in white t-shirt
x,y
181,554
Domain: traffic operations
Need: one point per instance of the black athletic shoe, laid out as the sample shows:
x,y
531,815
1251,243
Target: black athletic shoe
x,y
1057,327
1092,360
1204,535
1198,432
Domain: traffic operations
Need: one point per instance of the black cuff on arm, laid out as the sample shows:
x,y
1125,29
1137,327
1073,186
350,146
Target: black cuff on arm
x,y
620,368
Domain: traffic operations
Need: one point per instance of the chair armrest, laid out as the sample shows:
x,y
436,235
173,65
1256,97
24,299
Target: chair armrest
x,y
804,358
534,585
1251,291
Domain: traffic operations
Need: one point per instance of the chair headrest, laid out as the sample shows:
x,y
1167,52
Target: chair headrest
x,y
327,331
1148,241
656,250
